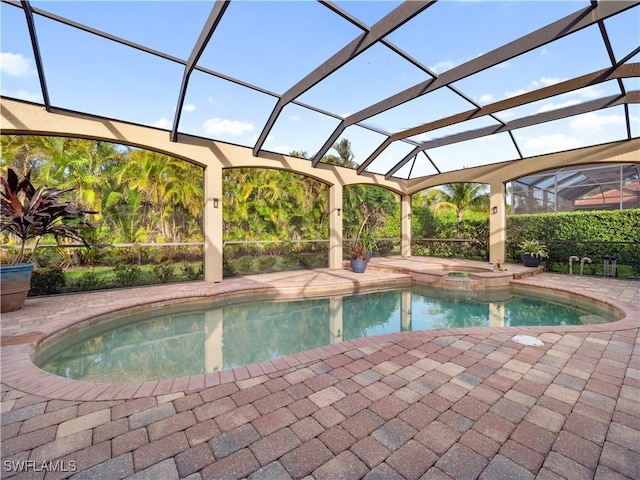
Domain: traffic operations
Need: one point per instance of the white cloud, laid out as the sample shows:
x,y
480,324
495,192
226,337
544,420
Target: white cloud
x,y
443,66
506,115
217,126
514,93
552,143
554,106
486,98
593,123
533,85
546,81
16,65
269,139
162,123
188,107
270,145
563,100
590,92
22,94
295,118
285,149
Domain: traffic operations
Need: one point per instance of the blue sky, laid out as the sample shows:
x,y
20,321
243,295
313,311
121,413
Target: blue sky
x,y
275,44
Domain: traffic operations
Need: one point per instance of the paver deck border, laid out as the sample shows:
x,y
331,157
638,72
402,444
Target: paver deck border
x,y
22,335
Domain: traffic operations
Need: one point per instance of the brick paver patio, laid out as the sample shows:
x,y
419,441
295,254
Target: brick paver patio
x,y
449,404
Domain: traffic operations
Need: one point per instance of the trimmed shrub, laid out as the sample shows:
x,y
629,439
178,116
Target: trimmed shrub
x,y
47,281
191,272
89,280
163,272
269,263
128,275
312,260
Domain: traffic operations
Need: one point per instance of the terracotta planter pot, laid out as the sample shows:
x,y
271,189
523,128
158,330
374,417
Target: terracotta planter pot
x,y
15,282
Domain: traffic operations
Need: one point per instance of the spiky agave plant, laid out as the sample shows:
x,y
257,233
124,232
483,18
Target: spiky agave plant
x,y
32,213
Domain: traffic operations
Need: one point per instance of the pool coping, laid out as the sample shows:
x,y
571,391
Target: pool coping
x,y
18,346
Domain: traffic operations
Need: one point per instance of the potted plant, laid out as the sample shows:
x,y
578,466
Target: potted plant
x,y
358,257
363,246
31,213
368,243
532,252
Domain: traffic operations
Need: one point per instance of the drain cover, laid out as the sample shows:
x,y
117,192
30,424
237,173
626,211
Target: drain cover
x,y
527,340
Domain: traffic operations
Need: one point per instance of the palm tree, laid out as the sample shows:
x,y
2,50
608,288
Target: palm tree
x,y
299,154
171,190
460,197
345,157
79,164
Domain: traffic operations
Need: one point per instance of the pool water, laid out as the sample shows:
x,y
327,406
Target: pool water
x,y
203,338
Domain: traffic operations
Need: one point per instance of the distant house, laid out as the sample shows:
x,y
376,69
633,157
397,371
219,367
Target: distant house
x,y
611,199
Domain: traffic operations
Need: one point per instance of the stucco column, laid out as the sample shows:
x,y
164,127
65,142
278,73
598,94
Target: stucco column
x,y
212,223
405,225
335,226
497,223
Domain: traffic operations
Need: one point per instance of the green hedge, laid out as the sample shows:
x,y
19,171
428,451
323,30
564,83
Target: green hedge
x,y
467,249
591,234
604,226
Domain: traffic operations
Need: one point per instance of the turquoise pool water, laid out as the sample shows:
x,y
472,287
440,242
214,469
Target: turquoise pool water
x,y
201,338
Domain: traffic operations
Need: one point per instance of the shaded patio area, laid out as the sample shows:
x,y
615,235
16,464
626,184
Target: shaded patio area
x,y
461,404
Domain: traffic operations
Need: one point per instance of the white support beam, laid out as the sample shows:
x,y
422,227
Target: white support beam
x,y
497,223
405,225
212,223
335,226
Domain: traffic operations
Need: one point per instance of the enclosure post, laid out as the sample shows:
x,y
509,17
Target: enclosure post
x,y
212,223
335,226
497,223
405,225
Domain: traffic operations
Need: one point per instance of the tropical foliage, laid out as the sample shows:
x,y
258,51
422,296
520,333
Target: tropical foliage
x,y
459,198
141,196
534,248
147,197
31,213
262,204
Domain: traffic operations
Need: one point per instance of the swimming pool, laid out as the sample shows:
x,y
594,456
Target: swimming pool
x,y
207,337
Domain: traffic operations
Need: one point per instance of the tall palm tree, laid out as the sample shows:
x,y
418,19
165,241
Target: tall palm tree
x,y
79,164
460,197
345,157
171,188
